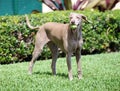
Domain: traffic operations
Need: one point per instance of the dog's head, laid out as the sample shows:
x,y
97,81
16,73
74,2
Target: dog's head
x,y
76,19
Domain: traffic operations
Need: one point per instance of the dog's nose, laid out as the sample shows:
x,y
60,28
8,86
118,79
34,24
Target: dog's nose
x,y
72,22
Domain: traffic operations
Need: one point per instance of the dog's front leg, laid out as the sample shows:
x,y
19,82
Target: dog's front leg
x,y
78,56
68,59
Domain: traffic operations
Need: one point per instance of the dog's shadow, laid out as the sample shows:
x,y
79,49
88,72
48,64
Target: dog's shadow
x,y
50,74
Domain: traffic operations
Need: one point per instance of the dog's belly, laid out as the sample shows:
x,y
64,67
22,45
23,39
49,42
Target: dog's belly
x,y
60,44
65,46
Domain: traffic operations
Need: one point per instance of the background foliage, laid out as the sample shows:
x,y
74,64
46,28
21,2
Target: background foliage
x,y
17,40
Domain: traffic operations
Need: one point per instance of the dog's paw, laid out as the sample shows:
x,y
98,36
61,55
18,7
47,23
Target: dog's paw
x,y
79,77
30,73
70,79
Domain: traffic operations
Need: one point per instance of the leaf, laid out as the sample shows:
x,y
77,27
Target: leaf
x,y
50,4
68,4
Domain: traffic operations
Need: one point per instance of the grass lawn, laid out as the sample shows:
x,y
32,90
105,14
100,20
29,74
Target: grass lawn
x,y
101,72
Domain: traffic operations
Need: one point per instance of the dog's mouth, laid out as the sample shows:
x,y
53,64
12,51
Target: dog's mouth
x,y
73,26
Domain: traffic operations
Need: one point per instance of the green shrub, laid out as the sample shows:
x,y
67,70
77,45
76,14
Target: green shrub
x,y
17,40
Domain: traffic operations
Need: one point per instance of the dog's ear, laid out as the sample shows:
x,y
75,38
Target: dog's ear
x,y
85,18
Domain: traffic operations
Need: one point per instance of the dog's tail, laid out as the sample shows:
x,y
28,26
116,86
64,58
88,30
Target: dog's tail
x,y
29,25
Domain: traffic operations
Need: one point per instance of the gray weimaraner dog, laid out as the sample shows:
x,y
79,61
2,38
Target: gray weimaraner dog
x,y
58,35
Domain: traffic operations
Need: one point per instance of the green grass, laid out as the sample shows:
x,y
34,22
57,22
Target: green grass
x,y
101,72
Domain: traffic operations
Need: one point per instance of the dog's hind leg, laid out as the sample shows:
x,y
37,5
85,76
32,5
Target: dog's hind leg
x,y
54,51
39,44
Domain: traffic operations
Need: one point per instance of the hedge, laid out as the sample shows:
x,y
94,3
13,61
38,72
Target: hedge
x,y
17,40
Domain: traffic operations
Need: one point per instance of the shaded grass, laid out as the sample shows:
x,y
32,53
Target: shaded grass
x,y
100,73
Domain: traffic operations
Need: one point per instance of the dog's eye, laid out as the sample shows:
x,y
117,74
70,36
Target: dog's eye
x,y
70,17
78,17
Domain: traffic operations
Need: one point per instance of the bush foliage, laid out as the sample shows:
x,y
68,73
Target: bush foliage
x,y
17,40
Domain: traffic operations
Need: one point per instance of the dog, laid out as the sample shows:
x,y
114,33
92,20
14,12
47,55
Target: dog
x,y
58,35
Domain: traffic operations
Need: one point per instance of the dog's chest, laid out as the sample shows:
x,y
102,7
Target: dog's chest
x,y
73,45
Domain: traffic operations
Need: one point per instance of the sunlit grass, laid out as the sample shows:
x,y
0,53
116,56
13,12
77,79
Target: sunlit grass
x,y
100,73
